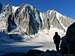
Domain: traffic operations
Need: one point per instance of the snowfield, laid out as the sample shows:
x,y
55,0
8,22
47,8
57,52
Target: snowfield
x,y
43,40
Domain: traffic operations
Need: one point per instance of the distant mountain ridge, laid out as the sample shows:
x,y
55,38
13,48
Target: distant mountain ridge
x,y
26,19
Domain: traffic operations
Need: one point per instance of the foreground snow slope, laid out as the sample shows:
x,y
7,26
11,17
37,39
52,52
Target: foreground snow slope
x,y
43,40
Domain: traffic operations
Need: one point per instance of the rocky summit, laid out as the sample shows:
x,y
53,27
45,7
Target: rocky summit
x,y
26,19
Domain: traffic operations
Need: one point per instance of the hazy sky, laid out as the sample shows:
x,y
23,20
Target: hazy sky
x,y
66,7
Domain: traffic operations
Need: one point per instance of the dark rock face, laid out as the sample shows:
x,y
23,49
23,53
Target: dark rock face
x,y
68,41
11,23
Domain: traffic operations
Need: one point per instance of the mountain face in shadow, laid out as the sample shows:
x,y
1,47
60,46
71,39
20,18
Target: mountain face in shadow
x,y
68,41
11,23
27,19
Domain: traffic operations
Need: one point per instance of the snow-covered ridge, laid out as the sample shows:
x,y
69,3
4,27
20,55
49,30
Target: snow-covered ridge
x,y
42,20
54,11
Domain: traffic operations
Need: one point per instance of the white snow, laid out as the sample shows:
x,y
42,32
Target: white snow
x,y
58,15
41,15
43,40
14,8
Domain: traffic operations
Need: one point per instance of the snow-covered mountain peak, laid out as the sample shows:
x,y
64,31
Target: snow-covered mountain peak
x,y
22,7
30,20
58,15
14,8
28,5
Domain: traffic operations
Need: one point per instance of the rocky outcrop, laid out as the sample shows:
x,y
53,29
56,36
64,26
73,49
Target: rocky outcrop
x,y
68,41
11,23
